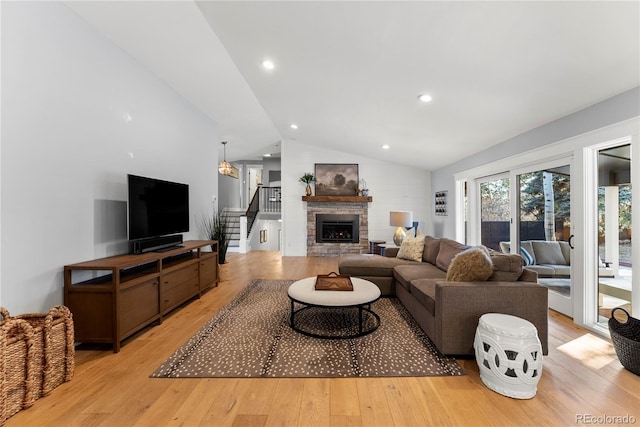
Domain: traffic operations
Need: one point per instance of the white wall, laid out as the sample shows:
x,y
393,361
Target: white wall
x,y
270,164
613,110
78,114
392,186
229,190
272,229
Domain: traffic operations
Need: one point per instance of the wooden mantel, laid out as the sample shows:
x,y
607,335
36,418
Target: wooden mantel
x,y
338,199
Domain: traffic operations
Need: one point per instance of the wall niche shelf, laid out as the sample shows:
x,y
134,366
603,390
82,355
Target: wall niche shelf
x,y
441,203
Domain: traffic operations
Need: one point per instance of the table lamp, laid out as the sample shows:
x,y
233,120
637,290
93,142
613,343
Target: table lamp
x,y
400,219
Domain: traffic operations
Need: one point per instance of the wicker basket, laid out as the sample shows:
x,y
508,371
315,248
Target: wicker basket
x,y
626,340
53,349
16,366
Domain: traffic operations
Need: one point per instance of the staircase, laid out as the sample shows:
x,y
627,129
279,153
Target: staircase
x,y
266,203
233,223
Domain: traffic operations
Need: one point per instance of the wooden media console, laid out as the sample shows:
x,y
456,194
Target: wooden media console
x,y
113,298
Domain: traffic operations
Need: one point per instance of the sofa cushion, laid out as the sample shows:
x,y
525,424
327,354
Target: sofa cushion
x,y
448,250
411,248
470,265
424,290
369,265
566,251
542,270
506,267
548,253
431,249
559,270
405,274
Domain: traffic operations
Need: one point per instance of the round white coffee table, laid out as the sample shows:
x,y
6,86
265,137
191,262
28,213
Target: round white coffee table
x,y
364,293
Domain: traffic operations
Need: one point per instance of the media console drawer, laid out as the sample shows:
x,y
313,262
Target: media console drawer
x,y
139,304
178,277
178,286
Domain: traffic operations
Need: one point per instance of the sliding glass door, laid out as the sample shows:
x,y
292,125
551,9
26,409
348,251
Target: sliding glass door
x,y
614,231
543,230
575,199
495,210
528,212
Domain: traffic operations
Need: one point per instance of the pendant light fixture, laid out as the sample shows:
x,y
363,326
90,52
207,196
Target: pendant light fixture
x,y
225,168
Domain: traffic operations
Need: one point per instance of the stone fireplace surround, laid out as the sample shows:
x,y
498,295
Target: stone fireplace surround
x,y
342,208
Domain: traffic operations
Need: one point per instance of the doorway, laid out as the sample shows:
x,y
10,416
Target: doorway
x,y
528,212
543,229
254,181
614,231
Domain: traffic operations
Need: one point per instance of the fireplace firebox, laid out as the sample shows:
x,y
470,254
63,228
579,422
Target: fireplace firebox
x,y
336,228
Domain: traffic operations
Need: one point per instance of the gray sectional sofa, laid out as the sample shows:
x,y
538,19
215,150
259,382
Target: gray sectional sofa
x,y
448,311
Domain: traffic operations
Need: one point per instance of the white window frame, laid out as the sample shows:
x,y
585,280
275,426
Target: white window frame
x,y
475,220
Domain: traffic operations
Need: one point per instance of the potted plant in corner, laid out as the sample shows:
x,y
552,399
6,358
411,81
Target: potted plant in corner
x,y
216,227
307,178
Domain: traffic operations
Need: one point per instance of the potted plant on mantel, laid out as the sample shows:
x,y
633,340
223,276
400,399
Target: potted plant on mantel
x,y
307,178
216,227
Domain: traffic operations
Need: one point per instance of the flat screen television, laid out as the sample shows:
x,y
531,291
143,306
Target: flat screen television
x,y
156,207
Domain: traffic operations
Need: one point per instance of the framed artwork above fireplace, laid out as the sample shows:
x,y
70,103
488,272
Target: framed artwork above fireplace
x,y
336,179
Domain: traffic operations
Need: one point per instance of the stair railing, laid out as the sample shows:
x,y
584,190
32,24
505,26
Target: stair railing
x,y
265,199
252,211
271,199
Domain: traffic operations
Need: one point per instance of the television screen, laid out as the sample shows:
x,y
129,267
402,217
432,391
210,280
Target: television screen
x,y
157,207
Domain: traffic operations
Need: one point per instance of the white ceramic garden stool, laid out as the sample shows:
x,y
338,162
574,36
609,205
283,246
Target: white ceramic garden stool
x,y
509,355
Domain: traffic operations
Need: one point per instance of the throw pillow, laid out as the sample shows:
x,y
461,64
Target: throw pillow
x,y
548,252
526,256
470,265
527,245
411,248
413,232
431,249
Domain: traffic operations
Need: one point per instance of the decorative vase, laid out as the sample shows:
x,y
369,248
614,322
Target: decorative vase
x,y
308,190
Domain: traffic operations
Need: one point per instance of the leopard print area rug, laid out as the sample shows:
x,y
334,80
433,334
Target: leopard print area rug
x,y
251,337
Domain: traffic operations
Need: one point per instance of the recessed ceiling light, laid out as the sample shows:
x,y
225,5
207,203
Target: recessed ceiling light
x,y
386,146
266,155
294,126
425,98
268,64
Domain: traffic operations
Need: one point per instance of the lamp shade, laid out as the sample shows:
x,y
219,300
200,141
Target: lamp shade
x,y
401,218
225,168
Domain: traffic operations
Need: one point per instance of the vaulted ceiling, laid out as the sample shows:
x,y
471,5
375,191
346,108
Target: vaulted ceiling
x,y
348,74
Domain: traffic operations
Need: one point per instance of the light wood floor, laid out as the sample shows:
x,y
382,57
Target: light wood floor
x,y
581,377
